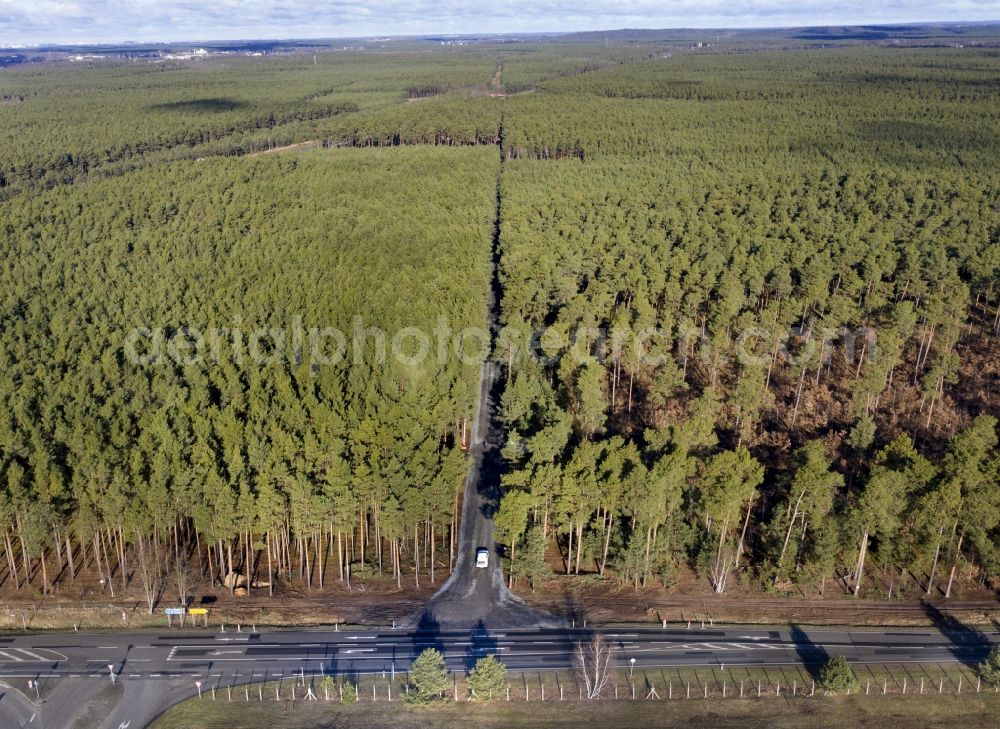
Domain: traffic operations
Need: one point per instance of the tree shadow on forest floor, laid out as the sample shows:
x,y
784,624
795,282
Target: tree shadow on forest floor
x,y
209,105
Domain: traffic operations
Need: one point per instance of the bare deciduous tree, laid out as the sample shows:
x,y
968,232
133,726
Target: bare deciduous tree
x,y
592,661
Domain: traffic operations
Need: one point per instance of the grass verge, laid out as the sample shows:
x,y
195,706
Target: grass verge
x,y
849,712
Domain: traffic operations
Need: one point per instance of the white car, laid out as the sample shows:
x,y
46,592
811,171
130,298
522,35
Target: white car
x,y
482,557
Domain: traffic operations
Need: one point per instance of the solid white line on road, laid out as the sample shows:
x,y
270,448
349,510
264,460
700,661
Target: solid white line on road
x,y
360,650
361,637
107,647
31,675
265,659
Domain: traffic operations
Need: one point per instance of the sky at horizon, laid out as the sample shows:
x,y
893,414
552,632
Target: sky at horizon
x,y
25,22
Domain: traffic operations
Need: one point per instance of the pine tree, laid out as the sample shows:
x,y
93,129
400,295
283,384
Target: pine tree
x,y
488,679
428,678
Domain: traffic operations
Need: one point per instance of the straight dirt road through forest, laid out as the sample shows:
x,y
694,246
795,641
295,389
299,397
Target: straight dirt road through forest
x,y
477,596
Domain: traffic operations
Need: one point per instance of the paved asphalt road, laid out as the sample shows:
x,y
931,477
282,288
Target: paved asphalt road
x,y
154,670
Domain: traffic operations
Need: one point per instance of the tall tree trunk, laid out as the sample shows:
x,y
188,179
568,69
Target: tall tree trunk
x,y
57,539
798,395
308,567
645,561
270,575
722,541
631,380
211,567
937,553
569,553
286,550
11,565
788,532
69,558
579,545
954,566
770,364
510,575
122,561
103,543
861,359
252,559
607,542
399,568
377,518
319,556
97,559
743,536
45,573
416,554
614,386
340,554
24,549
111,542
361,535
453,536
859,571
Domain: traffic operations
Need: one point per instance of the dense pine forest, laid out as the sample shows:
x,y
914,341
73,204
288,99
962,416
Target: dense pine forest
x,y
122,448
751,309
770,288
